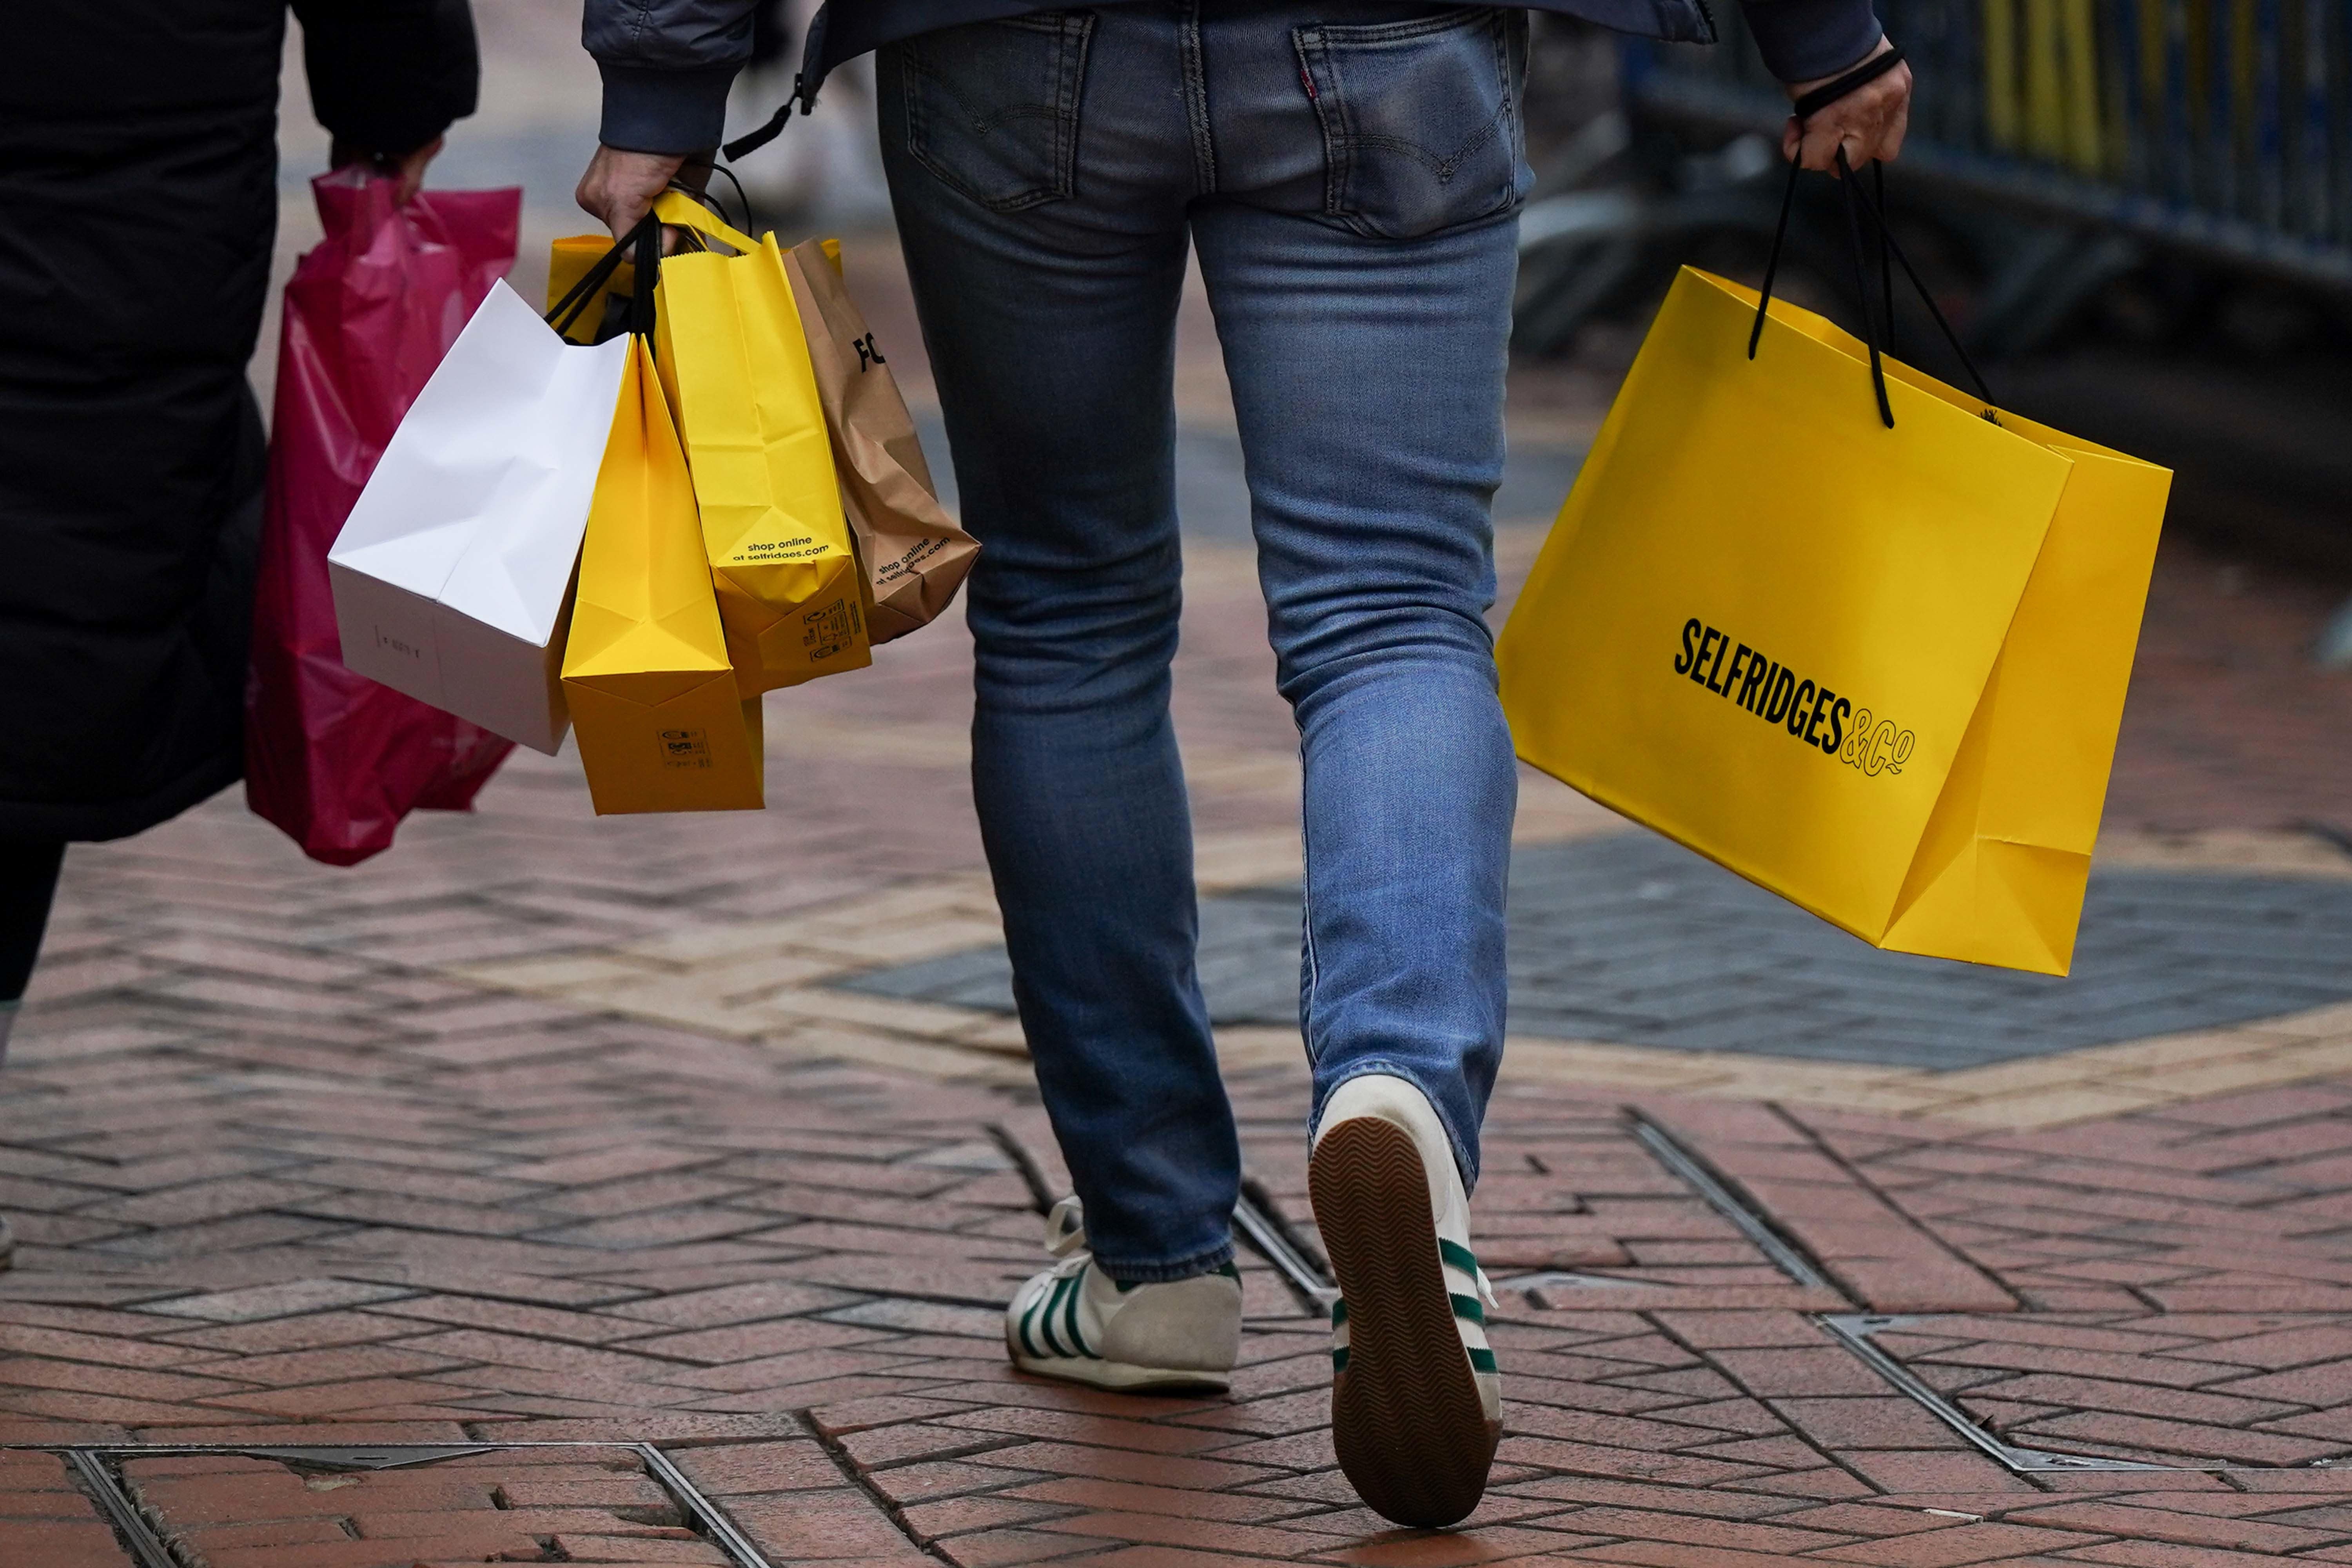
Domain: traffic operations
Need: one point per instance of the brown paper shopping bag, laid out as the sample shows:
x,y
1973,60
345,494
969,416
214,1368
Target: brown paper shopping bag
x,y
914,555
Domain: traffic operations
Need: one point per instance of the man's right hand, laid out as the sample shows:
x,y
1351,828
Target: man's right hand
x,y
620,187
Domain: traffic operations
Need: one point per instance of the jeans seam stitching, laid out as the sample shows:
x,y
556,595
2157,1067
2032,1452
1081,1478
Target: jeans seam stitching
x,y
1071,49
1196,101
1307,932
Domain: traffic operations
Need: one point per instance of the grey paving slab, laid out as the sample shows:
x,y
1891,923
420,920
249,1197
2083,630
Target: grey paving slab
x,y
1635,940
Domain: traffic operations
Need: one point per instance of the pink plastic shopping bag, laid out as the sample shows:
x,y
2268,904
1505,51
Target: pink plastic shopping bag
x,y
331,757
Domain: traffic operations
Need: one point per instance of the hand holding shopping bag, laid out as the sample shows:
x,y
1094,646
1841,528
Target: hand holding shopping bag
x,y
655,705
913,554
335,758
1868,652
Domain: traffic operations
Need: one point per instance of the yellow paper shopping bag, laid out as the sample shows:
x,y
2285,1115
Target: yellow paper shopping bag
x,y
602,314
1878,670
735,364
653,701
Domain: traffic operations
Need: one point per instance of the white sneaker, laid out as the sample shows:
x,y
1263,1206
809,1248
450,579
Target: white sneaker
x,y
1416,1404
1075,1322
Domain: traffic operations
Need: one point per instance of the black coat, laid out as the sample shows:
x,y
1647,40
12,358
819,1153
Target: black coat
x,y
138,209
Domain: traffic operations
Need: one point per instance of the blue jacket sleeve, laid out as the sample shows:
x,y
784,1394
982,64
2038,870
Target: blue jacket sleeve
x,y
666,65
1805,40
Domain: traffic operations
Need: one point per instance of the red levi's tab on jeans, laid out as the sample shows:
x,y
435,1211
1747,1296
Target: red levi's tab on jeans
x,y
331,757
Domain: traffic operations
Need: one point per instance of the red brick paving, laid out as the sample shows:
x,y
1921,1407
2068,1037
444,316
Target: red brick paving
x,y
1706,1420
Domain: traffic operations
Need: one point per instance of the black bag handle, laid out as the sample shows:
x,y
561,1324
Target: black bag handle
x,y
644,239
1889,249
718,207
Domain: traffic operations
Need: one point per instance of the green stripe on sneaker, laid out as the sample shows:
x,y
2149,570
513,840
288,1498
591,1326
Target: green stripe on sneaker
x,y
1046,1319
1481,1361
1339,1359
1467,1309
1338,1312
1459,1256
1070,1317
1028,1315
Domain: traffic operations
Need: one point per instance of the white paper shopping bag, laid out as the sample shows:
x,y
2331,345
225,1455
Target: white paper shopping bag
x,y
453,576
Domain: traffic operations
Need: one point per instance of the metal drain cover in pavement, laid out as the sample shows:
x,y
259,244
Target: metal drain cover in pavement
x,y
1636,941
2043,1392
141,1525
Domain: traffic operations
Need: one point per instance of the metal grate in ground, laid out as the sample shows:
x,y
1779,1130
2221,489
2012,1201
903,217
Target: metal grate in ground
x,y
522,1501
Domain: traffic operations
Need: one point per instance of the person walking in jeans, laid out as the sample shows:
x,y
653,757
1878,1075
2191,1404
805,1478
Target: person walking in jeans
x,y
1349,173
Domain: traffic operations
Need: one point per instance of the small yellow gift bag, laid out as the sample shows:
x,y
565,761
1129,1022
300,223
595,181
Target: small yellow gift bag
x,y
1871,658
653,701
735,364
603,314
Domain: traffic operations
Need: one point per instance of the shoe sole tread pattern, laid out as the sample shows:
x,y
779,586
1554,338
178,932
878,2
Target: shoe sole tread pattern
x,y
1411,1432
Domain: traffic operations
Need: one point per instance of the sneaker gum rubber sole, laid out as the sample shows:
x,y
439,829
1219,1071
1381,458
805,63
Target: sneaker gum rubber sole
x,y
1116,1373
1405,1416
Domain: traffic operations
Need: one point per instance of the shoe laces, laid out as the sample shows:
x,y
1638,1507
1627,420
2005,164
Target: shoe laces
x,y
1066,1237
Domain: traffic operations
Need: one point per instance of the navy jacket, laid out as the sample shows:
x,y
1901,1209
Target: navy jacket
x,y
667,63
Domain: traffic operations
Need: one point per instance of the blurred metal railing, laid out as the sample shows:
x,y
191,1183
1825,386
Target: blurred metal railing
x,y
2220,127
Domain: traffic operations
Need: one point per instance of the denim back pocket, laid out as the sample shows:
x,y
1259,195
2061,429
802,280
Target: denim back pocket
x,y
1421,119
992,107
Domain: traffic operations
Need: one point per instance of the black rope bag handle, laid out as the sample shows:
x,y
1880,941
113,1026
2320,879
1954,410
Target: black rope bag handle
x,y
642,247
1890,250
645,241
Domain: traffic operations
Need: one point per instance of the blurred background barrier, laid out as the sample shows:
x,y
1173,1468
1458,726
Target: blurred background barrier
x,y
2223,128
2142,209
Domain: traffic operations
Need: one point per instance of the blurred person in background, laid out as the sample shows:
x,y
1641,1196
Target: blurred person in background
x,y
138,212
1349,173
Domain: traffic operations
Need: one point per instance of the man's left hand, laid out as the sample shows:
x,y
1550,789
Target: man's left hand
x,y
407,168
1868,122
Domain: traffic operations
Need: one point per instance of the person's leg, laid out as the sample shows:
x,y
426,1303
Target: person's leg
x,y
1039,169
28,884
1366,319
1361,264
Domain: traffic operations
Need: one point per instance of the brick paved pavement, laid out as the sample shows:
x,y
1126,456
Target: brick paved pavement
x,y
531,1130
548,1130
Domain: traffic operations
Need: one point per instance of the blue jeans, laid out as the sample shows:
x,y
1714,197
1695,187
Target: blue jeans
x,y
1349,175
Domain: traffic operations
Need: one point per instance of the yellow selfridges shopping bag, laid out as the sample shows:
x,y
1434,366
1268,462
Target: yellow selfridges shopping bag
x,y
603,314
735,364
1878,670
653,701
